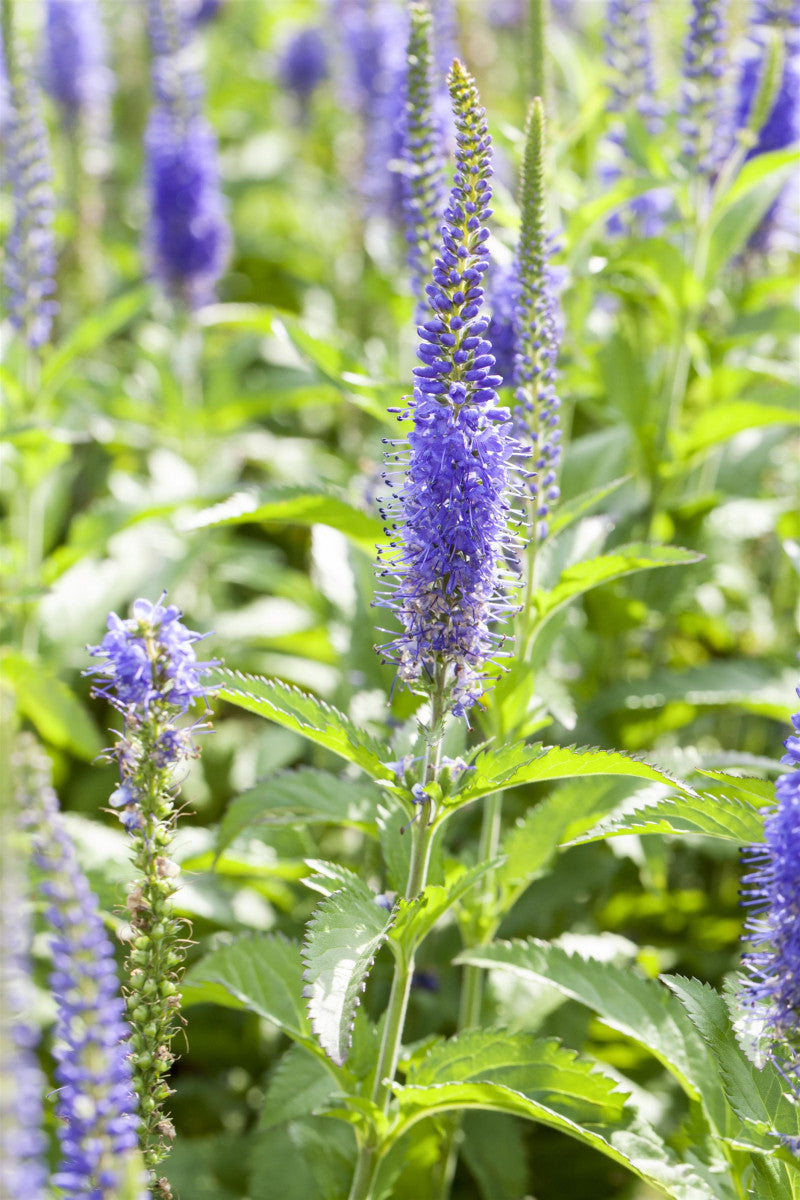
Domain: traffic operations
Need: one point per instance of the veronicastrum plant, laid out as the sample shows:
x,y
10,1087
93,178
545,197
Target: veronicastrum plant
x,y
457,568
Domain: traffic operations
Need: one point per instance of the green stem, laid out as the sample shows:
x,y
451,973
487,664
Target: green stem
x,y
538,22
473,979
423,829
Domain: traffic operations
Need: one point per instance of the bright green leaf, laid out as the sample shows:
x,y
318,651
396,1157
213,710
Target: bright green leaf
x,y
342,938
416,918
315,720
102,322
722,817
53,708
724,421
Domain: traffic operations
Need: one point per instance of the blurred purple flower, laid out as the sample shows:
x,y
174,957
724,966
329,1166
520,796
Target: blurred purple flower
x,y
30,261
76,70
304,63
704,123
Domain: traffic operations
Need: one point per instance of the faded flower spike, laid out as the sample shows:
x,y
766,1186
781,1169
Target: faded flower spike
x,y
30,258
448,519
188,237
76,68
151,674
705,143
95,1104
771,991
537,332
423,178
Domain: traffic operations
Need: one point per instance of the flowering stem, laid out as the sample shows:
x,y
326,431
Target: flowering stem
x,y
423,831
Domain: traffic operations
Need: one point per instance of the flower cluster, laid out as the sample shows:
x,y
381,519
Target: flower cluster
x,y
771,993
448,521
537,332
30,259
22,1143
632,83
704,67
151,674
188,237
76,59
423,178
95,1104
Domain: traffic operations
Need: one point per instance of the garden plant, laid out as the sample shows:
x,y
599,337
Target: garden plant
x,y
400,794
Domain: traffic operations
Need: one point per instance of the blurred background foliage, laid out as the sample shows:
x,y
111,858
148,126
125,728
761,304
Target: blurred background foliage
x,y
244,485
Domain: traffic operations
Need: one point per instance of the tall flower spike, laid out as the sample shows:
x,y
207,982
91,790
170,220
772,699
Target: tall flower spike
x,y
30,250
23,1175
703,125
771,990
537,332
188,238
447,523
95,1100
632,83
151,674
423,179
76,68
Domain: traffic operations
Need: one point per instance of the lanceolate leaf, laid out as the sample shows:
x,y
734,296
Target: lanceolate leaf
x,y
543,1081
519,763
293,506
724,421
343,937
261,974
624,560
757,1096
722,817
641,1008
569,511
315,720
304,796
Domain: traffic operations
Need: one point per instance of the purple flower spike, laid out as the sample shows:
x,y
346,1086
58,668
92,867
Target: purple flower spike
x,y
23,1175
76,61
30,261
503,297
771,991
188,237
96,1104
447,522
304,63
703,121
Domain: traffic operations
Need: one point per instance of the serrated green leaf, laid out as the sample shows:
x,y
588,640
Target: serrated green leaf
x,y
342,938
54,709
304,713
263,975
530,844
520,763
541,1080
640,1008
724,421
756,1096
303,796
293,506
569,511
773,1179
722,817
300,1084
581,577
416,918
303,1159
752,790
328,877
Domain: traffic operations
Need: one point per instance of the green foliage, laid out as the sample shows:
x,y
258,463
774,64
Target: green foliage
x,y
319,722
722,817
342,938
